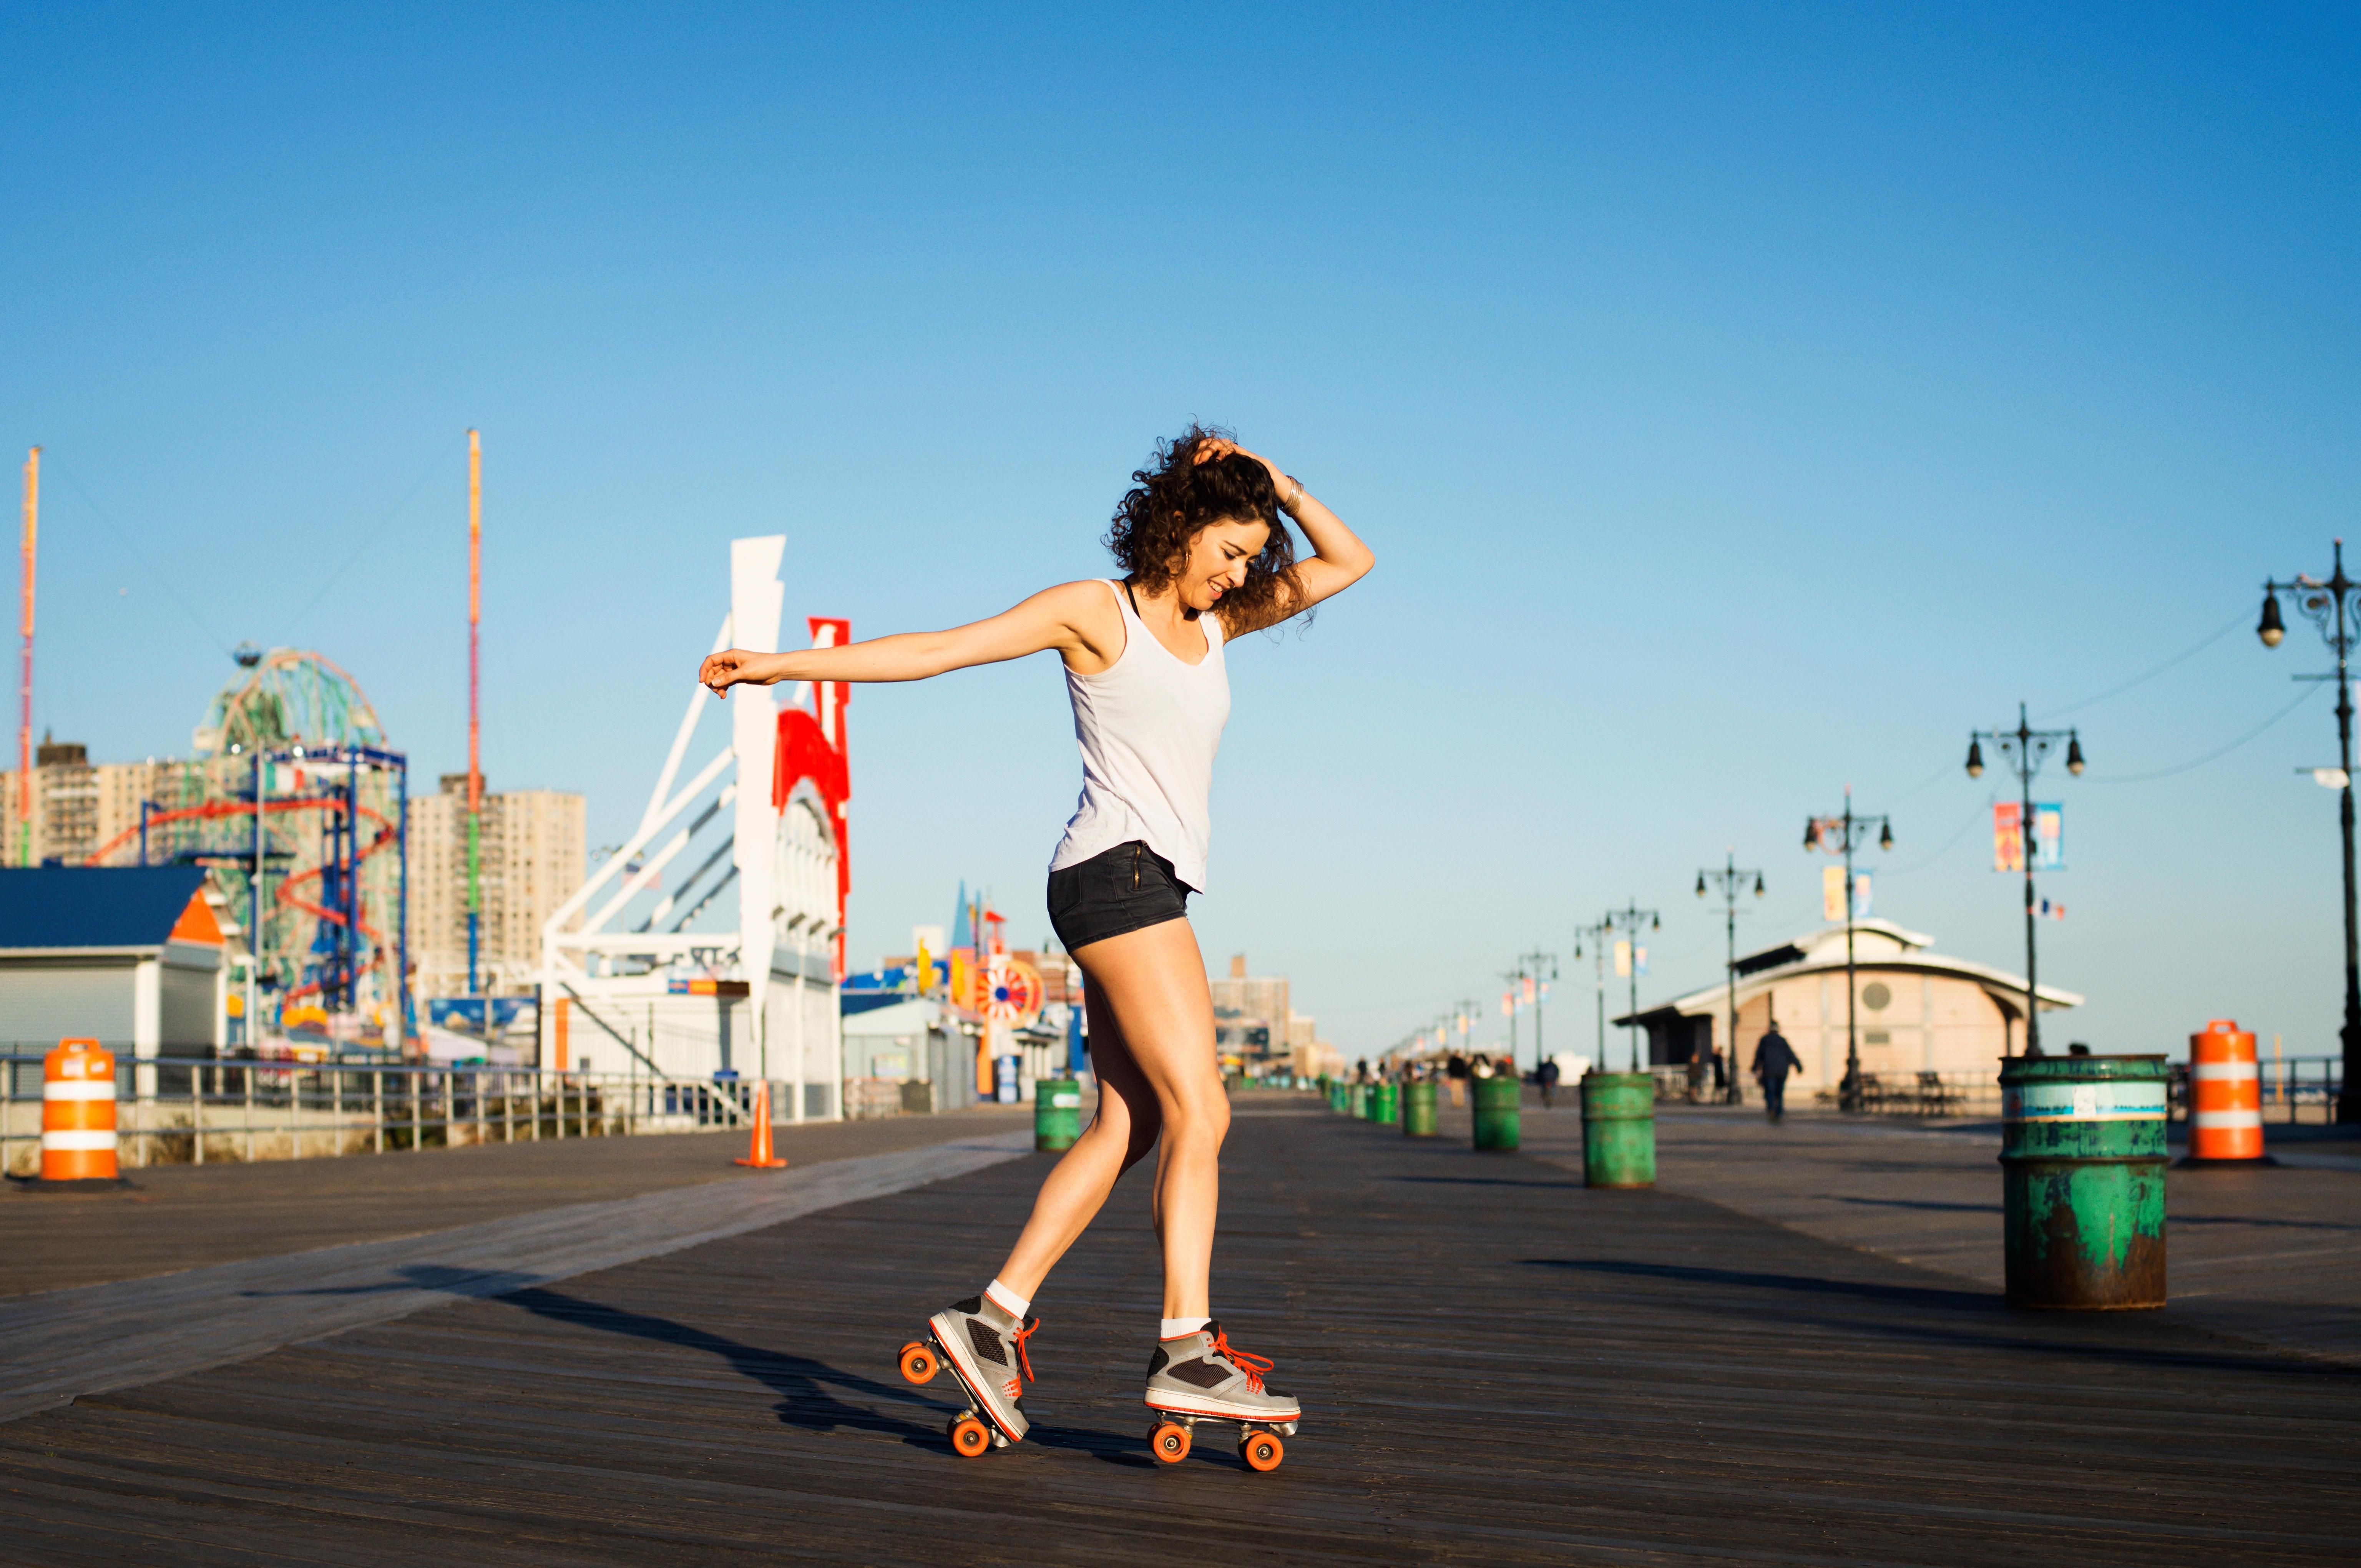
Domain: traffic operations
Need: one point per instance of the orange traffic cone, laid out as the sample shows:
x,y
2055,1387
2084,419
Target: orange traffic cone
x,y
760,1156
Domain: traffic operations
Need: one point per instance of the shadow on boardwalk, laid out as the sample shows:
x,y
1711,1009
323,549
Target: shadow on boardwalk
x,y
1497,1365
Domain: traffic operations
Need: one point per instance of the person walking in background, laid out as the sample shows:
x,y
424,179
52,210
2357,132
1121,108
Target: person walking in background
x,y
1548,1076
1774,1060
1695,1075
1457,1071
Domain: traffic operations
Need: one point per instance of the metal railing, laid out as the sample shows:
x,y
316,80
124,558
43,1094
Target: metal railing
x,y
188,1111
2296,1091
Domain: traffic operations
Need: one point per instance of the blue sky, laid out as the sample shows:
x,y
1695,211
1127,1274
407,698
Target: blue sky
x,y
1743,402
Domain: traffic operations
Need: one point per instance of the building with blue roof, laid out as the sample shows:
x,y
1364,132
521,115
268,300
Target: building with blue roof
x,y
130,956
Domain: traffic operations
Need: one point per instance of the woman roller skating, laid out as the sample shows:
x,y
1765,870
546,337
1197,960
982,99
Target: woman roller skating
x,y
1206,557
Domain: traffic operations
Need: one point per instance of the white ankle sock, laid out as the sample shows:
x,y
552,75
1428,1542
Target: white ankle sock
x,y
1175,1327
1008,1300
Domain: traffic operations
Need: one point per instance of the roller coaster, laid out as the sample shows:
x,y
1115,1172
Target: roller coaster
x,y
297,807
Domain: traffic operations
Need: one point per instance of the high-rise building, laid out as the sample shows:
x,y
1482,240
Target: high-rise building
x,y
1257,1028
81,806
533,855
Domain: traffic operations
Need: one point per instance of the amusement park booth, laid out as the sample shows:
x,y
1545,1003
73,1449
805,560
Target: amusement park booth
x,y
130,956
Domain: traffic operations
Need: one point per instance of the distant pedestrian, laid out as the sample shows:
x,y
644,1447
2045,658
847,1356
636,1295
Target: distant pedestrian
x,y
1457,1071
1720,1072
1774,1060
1548,1075
1695,1075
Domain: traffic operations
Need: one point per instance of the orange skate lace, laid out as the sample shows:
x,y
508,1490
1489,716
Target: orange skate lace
x,y
1020,1336
1254,1366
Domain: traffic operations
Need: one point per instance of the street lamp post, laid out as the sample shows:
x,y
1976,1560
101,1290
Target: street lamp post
x,y
1630,915
1597,936
1515,977
1543,969
1729,879
2023,750
1842,835
2331,606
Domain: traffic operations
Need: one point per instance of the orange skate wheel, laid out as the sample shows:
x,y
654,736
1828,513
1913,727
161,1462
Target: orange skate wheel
x,y
970,1437
919,1363
1262,1449
1170,1441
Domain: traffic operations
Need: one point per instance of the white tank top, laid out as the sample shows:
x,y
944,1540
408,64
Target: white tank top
x,y
1148,726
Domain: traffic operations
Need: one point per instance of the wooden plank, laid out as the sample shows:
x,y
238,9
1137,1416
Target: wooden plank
x,y
187,1216
1497,1366
60,1344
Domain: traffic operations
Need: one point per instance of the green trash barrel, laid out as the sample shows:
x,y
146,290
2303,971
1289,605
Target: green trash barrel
x,y
1418,1109
1619,1129
1056,1113
1385,1102
1496,1112
2083,1162
1359,1102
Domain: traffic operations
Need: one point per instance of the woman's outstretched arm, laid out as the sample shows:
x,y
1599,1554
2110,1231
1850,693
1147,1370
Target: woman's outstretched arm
x,y
1079,619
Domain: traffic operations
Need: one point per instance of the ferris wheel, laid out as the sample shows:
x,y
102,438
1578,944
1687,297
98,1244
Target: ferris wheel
x,y
290,697
1012,992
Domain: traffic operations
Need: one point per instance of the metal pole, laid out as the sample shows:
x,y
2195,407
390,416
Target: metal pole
x,y
2024,838
475,757
1514,977
1849,1096
254,920
2348,1099
401,937
28,555
1729,899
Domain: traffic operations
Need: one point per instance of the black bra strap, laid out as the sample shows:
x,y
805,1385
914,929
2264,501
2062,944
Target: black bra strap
x,y
1135,603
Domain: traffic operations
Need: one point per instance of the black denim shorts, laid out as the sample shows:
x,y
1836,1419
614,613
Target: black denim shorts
x,y
1124,889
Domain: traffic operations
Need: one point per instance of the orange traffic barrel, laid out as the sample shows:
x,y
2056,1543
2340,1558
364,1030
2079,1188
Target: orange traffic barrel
x,y
78,1113
2225,1094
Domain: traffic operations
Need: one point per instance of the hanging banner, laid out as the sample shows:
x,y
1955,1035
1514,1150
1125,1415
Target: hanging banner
x,y
1832,899
1639,962
1508,1005
1622,960
2048,838
2008,837
1529,991
1861,899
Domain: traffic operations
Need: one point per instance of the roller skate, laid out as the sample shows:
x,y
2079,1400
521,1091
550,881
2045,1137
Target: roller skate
x,y
985,1348
1200,1377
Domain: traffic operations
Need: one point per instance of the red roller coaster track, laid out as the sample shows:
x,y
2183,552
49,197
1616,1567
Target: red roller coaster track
x,y
286,895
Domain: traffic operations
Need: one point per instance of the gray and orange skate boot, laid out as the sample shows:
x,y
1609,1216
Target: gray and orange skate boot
x,y
985,1348
1202,1376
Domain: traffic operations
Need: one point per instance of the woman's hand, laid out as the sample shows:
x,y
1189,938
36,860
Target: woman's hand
x,y
1216,447
731,666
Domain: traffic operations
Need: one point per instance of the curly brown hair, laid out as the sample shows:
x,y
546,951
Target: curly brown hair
x,y
1173,501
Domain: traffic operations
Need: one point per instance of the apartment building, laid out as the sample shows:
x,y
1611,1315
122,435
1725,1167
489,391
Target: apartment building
x,y
533,855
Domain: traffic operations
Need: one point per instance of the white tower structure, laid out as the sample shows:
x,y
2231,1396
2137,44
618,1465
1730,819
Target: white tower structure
x,y
710,944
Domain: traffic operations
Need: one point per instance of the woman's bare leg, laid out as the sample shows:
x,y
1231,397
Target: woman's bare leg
x,y
1159,1074
1119,1135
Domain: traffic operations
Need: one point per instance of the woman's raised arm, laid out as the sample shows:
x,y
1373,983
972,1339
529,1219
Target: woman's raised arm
x,y
1339,559
1079,619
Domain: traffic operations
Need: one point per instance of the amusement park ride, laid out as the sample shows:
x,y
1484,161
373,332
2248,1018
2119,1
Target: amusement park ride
x,y
318,865
627,971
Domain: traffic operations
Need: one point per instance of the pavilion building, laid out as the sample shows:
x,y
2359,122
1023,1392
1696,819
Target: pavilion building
x,y
1918,1010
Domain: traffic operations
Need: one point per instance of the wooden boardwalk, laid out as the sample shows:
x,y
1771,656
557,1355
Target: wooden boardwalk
x,y
2270,1254
1498,1366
